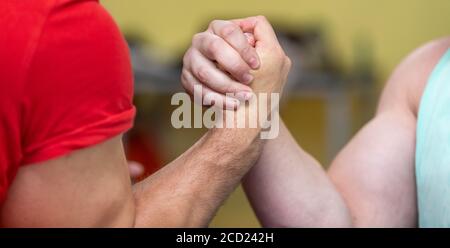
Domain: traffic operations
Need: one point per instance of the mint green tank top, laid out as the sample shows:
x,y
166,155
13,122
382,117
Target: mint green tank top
x,y
433,149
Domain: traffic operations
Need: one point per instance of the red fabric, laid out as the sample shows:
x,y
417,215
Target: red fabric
x,y
65,81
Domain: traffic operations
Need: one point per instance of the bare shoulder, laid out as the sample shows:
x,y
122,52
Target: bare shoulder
x,y
406,85
86,188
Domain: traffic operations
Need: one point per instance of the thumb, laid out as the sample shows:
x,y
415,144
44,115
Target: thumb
x,y
261,29
250,39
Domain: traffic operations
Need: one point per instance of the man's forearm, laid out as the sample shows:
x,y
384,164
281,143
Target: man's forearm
x,y
287,187
188,191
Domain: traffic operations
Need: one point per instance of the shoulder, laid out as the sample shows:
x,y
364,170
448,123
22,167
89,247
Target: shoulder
x,y
81,46
407,83
79,85
87,14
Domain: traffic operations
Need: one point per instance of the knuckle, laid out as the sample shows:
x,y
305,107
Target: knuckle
x,y
239,68
196,39
228,30
214,47
185,75
184,84
185,80
262,18
213,23
202,74
186,57
288,62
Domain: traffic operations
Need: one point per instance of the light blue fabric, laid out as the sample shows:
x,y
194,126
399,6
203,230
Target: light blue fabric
x,y
433,149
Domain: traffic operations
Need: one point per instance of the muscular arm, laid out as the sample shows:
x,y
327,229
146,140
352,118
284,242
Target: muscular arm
x,y
91,187
188,191
370,183
197,183
372,179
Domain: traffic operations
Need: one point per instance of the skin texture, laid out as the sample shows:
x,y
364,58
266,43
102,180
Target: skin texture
x,y
200,180
237,57
371,182
85,188
91,187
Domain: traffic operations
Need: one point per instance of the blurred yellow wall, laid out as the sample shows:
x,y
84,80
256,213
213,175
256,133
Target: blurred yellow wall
x,y
394,27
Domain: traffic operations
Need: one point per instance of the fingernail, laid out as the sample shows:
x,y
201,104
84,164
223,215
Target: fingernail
x,y
248,78
254,63
244,95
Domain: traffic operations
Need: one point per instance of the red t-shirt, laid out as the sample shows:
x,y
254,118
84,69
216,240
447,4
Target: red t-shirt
x,y
65,81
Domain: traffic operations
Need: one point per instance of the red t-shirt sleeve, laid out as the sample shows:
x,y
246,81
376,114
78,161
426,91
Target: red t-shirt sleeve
x,y
79,86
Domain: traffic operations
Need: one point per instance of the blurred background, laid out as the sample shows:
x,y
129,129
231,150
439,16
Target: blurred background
x,y
343,52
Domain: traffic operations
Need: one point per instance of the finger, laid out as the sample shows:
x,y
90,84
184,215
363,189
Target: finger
x,y
260,27
215,48
207,73
194,59
250,39
234,36
209,96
